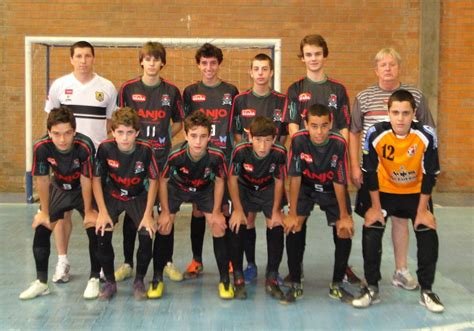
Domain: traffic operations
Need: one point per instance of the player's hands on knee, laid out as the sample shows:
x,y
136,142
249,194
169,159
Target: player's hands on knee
x,y
103,222
164,223
236,220
276,220
373,216
290,223
356,176
345,227
90,218
217,222
426,218
41,218
149,224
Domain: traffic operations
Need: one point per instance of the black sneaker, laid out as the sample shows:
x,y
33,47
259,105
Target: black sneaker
x,y
294,293
240,292
337,291
272,288
431,301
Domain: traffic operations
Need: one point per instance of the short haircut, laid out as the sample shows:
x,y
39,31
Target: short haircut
x,y
209,50
125,116
154,49
262,57
318,110
81,44
400,96
315,40
262,126
60,115
387,51
197,118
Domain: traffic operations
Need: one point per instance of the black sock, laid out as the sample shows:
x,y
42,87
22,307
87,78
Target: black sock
x,y
161,254
220,252
236,249
198,228
341,256
41,251
294,246
93,246
105,253
250,240
274,249
144,254
171,245
129,235
303,237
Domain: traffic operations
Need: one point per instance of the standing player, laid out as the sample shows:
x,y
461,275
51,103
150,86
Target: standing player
x,y
70,155
260,100
400,165
370,107
92,99
123,167
195,172
318,175
213,97
159,106
256,183
317,87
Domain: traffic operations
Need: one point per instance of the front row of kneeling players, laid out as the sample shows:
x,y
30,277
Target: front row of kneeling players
x,y
396,153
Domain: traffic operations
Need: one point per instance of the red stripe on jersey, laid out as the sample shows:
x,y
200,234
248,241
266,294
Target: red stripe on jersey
x,y
239,147
37,145
131,81
180,104
346,164
221,155
346,110
233,105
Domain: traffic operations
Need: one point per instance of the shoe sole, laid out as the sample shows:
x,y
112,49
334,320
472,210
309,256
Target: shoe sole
x,y
433,311
61,280
36,296
400,285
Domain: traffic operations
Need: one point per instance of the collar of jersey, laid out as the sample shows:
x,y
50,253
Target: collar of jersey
x,y
319,82
151,86
191,158
319,145
212,86
261,96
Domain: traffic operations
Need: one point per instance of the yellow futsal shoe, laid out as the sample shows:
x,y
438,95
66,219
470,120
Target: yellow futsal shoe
x,y
123,272
155,291
226,291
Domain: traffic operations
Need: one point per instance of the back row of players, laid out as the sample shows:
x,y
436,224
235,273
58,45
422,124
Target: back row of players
x,y
315,114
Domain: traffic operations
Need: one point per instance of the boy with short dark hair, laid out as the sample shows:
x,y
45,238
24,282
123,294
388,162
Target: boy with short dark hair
x,y
256,183
195,172
70,155
123,167
400,164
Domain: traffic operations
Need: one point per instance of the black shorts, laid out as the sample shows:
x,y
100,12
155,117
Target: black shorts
x,y
62,201
204,200
135,208
256,201
398,205
327,202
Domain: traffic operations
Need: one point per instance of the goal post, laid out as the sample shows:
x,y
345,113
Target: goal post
x,y
270,45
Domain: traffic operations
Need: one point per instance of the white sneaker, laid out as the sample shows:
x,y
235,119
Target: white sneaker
x,y
61,274
92,289
172,272
369,296
36,288
431,301
402,278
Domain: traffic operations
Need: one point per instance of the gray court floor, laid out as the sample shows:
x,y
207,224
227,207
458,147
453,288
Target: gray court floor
x,y
195,304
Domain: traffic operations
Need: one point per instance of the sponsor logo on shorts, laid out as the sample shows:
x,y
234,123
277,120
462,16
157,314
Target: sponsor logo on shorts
x,y
306,157
227,99
113,163
68,91
198,98
99,96
305,96
138,97
52,161
165,100
248,167
247,113
139,167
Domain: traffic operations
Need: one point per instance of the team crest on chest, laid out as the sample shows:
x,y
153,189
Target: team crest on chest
x,y
165,100
52,161
227,99
412,150
99,96
277,115
76,164
139,167
207,172
332,101
333,160
272,168
184,170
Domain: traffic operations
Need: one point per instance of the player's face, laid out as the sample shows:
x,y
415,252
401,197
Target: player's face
x,y
318,127
197,138
125,137
83,61
262,145
151,65
388,69
313,58
62,135
261,73
209,67
401,115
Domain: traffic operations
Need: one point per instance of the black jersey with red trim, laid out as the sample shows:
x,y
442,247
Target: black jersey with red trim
x,y
248,105
156,106
125,174
318,165
216,102
254,172
194,176
304,93
67,166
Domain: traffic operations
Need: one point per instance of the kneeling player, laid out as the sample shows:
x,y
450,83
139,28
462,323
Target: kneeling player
x,y
123,167
318,175
70,155
256,184
195,173
400,165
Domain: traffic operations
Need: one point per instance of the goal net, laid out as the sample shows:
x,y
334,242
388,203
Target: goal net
x,y
47,58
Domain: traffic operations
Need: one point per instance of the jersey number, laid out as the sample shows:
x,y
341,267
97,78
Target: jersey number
x,y
388,152
213,130
150,131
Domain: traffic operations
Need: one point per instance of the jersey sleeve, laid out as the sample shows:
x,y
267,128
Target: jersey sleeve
x,y
294,160
370,160
221,167
177,114
187,101
357,119
88,156
280,168
236,124
236,162
430,157
100,162
111,105
423,113
341,115
342,164
292,114
153,169
53,97
40,160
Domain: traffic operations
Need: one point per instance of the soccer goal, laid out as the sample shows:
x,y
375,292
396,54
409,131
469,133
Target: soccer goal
x,y
47,58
